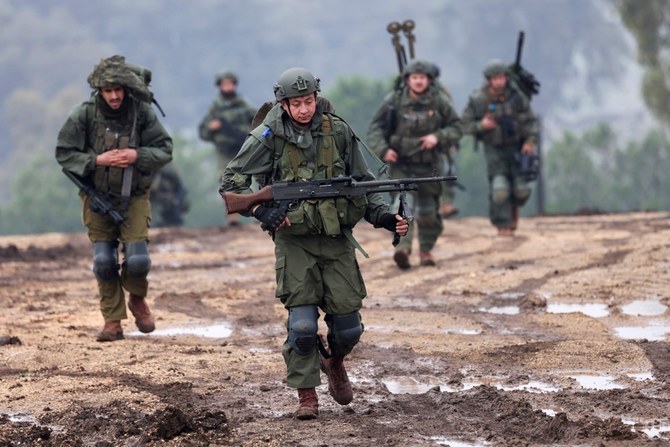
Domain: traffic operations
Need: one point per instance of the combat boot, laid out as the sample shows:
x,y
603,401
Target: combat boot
x,y
401,258
426,258
447,210
140,309
338,382
309,404
112,331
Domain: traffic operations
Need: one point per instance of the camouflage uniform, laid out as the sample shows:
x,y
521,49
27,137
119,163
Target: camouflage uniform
x,y
169,197
316,266
93,128
235,114
516,125
431,113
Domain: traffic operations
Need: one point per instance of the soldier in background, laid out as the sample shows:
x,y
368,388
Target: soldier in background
x,y
411,130
500,116
169,197
227,122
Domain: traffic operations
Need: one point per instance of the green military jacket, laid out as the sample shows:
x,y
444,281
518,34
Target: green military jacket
x,y
517,123
277,151
400,121
235,115
88,133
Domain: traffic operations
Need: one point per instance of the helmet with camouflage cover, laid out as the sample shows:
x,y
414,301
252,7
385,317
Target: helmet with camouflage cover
x,y
420,66
225,74
115,71
294,82
494,67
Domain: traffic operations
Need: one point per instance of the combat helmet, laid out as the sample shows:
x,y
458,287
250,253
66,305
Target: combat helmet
x,y
494,67
225,74
420,66
294,82
115,71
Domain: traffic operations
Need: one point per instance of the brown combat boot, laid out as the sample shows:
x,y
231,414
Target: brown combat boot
x,y
112,331
401,258
309,404
447,210
338,382
505,232
426,258
140,309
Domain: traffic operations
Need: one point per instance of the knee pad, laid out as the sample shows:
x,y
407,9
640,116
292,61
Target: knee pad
x,y
105,260
500,190
521,195
345,332
137,260
302,328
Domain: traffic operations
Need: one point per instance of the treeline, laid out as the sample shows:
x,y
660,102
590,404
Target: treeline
x,y
591,171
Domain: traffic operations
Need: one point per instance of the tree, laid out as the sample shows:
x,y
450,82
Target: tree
x,y
649,21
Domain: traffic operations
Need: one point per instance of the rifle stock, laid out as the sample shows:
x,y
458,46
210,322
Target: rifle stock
x,y
290,194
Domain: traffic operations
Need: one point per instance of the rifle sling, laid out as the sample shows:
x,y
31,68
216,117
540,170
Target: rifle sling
x,y
126,185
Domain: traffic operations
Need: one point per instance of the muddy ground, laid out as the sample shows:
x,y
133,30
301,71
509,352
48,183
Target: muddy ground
x,y
557,336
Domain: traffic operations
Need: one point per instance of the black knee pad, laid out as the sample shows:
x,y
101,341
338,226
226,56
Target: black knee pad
x,y
137,261
105,260
345,332
302,328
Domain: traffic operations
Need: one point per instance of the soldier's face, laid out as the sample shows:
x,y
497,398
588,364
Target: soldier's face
x,y
418,82
227,86
498,81
301,108
113,95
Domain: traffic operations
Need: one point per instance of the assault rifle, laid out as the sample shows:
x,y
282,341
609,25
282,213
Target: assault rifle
x,y
289,194
98,202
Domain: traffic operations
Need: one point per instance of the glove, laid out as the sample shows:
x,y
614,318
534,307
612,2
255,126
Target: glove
x,y
388,221
271,217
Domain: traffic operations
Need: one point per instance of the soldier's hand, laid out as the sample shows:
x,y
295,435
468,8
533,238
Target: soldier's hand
x,y
395,223
391,156
214,125
488,122
272,218
122,158
528,148
428,142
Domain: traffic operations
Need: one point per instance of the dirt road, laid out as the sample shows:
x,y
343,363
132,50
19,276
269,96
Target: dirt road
x,y
557,336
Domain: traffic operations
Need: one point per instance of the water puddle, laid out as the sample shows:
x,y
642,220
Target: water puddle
x,y
654,331
641,377
221,330
501,310
593,310
596,382
412,385
648,308
463,331
455,443
653,432
22,417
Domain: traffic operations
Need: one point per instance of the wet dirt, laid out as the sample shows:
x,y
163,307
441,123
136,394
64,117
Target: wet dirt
x,y
506,342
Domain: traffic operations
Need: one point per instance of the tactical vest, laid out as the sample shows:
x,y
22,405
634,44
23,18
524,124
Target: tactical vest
x,y
113,133
504,109
323,216
414,121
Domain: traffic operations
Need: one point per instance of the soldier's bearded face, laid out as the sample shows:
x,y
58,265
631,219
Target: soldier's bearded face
x,y
418,82
301,108
498,82
113,95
